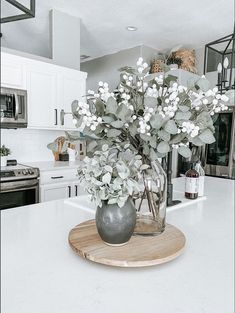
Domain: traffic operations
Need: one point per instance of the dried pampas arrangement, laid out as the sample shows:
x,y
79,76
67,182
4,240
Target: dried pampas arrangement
x,y
188,58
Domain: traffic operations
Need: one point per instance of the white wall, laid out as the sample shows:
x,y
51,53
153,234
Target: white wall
x,y
65,36
29,145
106,68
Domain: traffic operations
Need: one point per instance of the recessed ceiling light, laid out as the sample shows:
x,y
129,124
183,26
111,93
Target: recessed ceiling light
x,y
84,56
131,28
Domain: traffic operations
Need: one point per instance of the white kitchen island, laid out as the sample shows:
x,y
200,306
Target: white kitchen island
x,y
41,273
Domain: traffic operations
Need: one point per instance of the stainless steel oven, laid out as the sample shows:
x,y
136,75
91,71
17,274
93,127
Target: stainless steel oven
x,y
19,186
13,108
220,155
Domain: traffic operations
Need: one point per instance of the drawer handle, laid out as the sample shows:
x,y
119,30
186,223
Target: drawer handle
x,y
76,190
56,177
69,187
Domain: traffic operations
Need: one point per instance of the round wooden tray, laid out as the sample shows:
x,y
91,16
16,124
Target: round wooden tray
x,y
138,252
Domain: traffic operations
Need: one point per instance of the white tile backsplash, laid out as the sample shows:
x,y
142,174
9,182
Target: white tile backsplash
x,y
29,145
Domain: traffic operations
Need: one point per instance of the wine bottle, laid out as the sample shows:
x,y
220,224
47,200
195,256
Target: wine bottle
x,y
201,172
191,183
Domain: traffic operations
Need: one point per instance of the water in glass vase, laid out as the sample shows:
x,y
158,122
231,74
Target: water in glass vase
x,y
151,202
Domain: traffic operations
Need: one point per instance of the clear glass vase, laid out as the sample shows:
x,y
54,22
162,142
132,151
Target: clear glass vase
x,y
151,201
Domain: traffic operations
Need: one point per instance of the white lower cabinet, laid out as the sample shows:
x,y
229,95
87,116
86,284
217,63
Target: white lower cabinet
x,y
59,184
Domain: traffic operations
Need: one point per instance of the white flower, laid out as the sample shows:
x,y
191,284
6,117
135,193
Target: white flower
x,y
131,107
215,101
101,84
140,69
145,65
125,77
93,127
99,120
91,92
134,117
224,98
205,101
140,61
106,85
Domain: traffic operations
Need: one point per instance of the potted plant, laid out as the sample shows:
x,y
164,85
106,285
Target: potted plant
x,y
111,176
4,152
153,114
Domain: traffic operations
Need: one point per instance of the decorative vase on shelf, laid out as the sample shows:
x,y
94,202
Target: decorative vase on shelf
x,y
116,224
151,202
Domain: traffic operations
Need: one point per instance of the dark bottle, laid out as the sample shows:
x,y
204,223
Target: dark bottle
x,y
191,183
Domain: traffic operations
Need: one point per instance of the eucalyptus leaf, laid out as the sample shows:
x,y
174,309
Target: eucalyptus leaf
x,y
146,149
182,115
111,105
74,106
185,152
207,137
123,112
113,133
108,119
197,141
117,124
150,102
106,179
163,147
184,108
153,141
156,121
91,146
165,136
171,127
177,138
150,77
203,84
99,105
153,155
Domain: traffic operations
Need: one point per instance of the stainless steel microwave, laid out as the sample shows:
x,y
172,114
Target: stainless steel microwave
x,y
13,108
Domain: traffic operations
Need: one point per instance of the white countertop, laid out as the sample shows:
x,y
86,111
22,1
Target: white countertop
x,y
54,165
41,274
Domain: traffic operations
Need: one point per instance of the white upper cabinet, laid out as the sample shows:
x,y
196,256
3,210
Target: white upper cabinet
x,y
12,71
72,86
51,90
42,95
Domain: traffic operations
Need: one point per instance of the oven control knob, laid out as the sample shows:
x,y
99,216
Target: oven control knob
x,y
30,172
24,172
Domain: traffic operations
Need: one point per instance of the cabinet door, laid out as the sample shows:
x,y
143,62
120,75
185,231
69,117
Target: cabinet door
x,y
42,95
77,189
55,192
13,72
72,86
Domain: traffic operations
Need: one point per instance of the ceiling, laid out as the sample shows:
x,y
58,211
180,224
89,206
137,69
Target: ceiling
x,y
161,24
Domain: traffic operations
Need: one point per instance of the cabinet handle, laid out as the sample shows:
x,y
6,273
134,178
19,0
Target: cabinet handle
x,y
56,177
62,114
56,120
69,187
76,190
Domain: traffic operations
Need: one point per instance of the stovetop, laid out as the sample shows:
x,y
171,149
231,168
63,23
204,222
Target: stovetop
x,y
18,172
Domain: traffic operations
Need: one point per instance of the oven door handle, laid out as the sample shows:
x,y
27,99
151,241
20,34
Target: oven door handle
x,y
18,185
16,106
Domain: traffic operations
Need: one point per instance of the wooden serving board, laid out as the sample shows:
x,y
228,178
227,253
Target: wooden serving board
x,y
140,251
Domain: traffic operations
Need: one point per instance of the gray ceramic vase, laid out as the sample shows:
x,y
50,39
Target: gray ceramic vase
x,y
116,225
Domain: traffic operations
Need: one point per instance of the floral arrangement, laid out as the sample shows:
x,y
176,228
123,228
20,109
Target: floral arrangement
x,y
150,112
111,174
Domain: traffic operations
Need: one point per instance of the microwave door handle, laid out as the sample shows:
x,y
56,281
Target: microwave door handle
x,y
16,106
